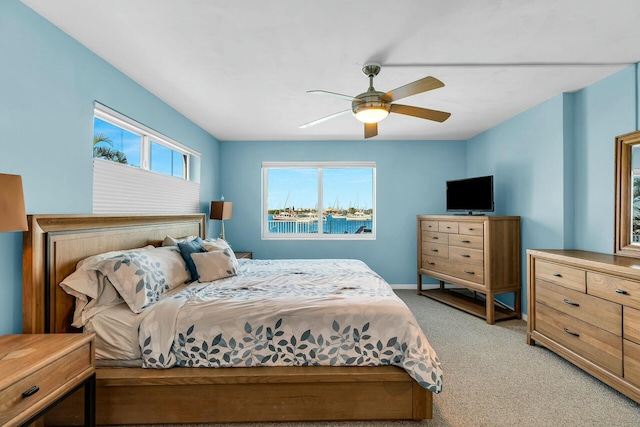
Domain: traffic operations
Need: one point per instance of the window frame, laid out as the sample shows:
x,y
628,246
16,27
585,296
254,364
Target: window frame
x,y
147,135
320,166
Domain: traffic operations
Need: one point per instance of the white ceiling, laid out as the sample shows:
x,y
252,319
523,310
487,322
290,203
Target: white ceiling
x,y
240,69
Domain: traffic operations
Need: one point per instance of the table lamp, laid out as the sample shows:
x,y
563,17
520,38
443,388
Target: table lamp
x,y
221,210
13,216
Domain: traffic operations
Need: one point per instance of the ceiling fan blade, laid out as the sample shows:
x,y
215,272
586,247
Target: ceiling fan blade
x,y
422,113
337,95
370,130
419,86
324,119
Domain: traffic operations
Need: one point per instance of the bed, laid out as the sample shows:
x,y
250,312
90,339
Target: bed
x,y
53,246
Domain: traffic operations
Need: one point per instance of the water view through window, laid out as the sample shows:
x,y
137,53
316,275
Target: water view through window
x,y
320,200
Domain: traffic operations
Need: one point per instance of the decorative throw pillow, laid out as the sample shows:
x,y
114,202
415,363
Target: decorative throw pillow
x,y
141,277
217,245
188,248
171,241
214,265
91,289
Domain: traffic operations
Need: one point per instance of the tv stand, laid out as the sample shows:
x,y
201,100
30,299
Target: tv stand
x,y
480,254
470,213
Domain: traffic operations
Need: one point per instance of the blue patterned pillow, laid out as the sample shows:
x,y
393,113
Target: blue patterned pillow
x,y
188,248
142,276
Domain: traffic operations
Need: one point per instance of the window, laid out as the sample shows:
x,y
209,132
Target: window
x,y
318,200
119,139
138,170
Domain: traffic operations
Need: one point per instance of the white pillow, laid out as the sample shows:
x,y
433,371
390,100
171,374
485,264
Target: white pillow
x,y
214,265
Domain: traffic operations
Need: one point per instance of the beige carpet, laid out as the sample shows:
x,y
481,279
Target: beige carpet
x,y
493,378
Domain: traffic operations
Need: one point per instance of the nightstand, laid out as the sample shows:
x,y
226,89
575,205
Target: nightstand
x,y
246,255
39,370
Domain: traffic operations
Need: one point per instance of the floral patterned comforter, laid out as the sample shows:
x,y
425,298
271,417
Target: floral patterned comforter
x,y
289,313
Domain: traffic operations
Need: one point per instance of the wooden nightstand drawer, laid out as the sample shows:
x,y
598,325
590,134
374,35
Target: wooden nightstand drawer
x,y
38,370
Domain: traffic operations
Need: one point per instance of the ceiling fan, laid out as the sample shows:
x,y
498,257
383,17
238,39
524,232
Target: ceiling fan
x,y
372,106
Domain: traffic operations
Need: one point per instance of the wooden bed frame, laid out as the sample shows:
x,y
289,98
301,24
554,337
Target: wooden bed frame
x,y
55,243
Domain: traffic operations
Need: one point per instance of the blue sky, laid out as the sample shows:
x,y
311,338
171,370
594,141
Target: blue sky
x,y
342,188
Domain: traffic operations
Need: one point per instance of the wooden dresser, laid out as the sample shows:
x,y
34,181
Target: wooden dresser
x,y
39,370
585,307
478,253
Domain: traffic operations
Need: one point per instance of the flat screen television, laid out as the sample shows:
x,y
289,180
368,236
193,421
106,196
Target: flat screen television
x,y
470,195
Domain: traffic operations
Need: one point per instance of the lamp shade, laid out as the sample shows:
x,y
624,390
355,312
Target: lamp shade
x,y
13,216
221,210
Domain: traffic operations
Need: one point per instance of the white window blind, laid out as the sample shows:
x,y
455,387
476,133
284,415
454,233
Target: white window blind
x,y
119,188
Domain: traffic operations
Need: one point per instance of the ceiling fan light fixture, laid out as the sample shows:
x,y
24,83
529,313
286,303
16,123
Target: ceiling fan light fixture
x,y
370,113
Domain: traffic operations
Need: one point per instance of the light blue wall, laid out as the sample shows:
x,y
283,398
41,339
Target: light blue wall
x,y
553,166
48,84
603,111
410,178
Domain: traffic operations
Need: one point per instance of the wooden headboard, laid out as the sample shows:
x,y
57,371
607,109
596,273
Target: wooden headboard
x,y
55,243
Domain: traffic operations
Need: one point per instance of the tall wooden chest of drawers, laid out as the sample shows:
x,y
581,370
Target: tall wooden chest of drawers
x,y
478,253
585,307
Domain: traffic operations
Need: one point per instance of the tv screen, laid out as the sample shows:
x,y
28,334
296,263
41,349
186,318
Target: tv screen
x,y
470,194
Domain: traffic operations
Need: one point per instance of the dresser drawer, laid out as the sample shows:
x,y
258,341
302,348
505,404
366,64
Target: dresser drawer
x,y
470,272
631,322
435,249
474,229
435,264
573,278
426,225
447,227
596,311
593,343
435,237
622,291
48,380
466,241
632,362
467,255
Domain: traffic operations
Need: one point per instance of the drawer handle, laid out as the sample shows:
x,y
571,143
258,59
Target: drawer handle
x,y
571,333
465,241
448,226
434,250
33,390
434,238
575,304
622,292
557,275
465,256
431,263
469,272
